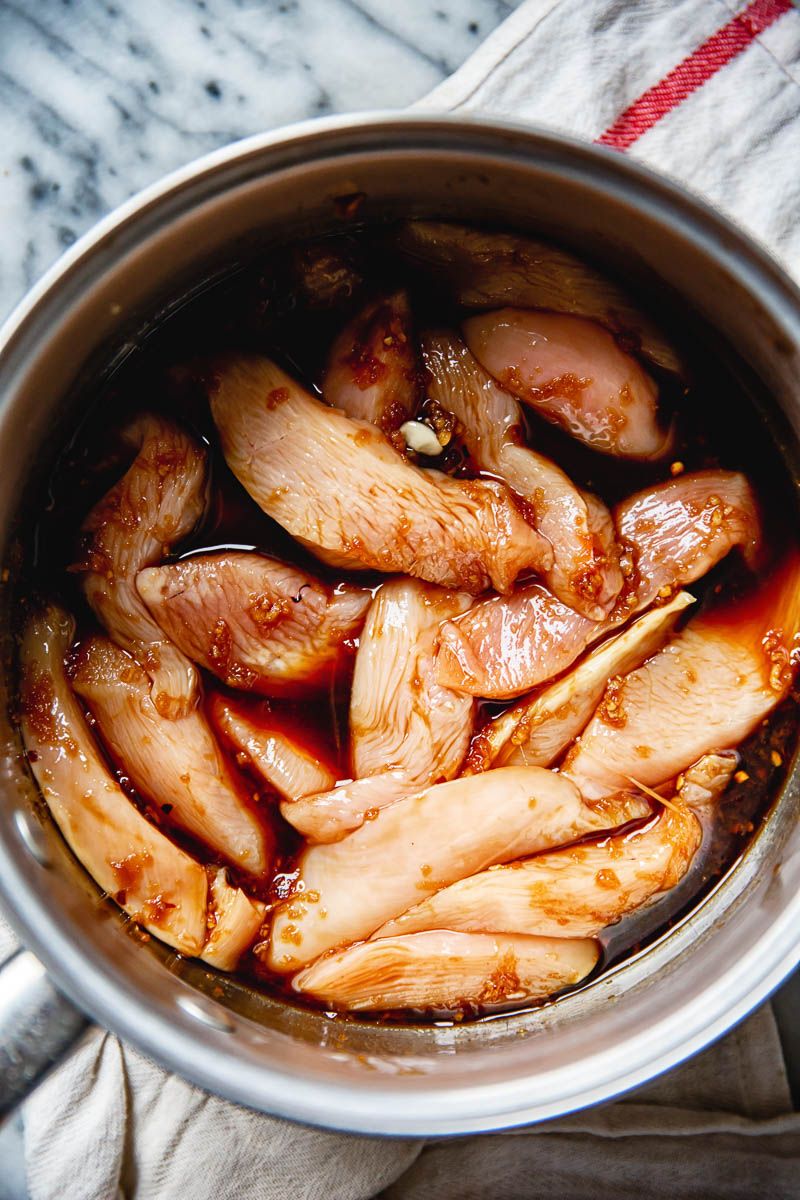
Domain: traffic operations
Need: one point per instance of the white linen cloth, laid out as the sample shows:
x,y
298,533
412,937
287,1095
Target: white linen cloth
x,y
108,1123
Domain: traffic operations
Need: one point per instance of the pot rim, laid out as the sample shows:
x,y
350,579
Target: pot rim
x,y
90,980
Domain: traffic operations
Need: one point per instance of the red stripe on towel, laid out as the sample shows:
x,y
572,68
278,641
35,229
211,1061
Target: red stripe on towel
x,y
693,72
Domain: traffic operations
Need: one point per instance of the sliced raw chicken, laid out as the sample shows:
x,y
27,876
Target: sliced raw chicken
x,y
678,530
328,816
447,970
705,691
234,921
493,270
176,765
280,759
580,890
400,715
373,372
155,883
573,373
339,486
536,730
257,623
506,645
575,892
422,843
158,501
585,574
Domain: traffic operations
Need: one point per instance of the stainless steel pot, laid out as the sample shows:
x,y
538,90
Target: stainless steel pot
x,y
660,1006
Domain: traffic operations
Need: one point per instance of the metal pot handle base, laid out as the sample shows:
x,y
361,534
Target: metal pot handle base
x,y
38,1025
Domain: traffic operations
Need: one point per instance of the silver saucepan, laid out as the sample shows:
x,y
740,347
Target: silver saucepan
x,y
659,1006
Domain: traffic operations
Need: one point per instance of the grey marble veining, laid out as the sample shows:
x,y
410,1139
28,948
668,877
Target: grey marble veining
x,y
99,99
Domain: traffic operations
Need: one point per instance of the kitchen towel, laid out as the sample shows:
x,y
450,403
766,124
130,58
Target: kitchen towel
x,y
706,91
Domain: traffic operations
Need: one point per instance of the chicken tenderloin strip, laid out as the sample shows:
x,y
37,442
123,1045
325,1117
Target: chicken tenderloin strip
x,y
573,373
494,270
687,525
329,816
447,970
339,486
574,892
255,622
534,731
400,715
158,885
281,761
585,574
705,691
176,765
424,842
677,531
373,372
580,890
234,921
158,501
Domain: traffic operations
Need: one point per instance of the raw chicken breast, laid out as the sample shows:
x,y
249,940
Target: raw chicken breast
x,y
339,486
156,884
447,970
158,501
400,716
680,529
422,843
585,573
257,623
176,765
153,881
574,892
705,691
233,924
373,372
280,759
505,646
328,816
534,732
575,375
492,270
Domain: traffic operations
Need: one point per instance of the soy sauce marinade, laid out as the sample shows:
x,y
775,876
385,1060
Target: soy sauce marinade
x,y
290,307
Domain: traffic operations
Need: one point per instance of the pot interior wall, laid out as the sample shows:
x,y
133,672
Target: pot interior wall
x,y
255,1049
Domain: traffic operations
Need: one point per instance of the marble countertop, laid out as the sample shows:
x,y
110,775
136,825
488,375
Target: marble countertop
x,y
98,99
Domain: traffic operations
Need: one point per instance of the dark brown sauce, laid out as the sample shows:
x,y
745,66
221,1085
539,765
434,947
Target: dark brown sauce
x,y
272,308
